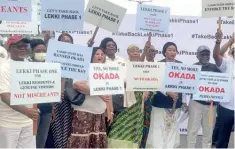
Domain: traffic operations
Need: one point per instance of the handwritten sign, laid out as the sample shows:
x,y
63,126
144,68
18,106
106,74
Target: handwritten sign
x,y
106,79
33,83
181,78
62,15
144,76
152,18
217,8
214,86
74,59
16,10
104,14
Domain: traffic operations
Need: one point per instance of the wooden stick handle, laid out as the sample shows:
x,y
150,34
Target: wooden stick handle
x,y
173,107
91,41
35,122
108,110
95,32
142,104
211,114
149,37
219,23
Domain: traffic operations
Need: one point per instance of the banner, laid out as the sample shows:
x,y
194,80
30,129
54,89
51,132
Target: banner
x,y
104,14
62,15
152,18
105,79
16,10
218,8
181,78
180,32
33,83
214,86
20,27
144,76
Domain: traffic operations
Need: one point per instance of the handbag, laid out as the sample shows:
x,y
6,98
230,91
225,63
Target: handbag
x,y
72,95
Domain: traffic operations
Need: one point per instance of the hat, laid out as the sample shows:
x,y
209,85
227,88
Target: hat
x,y
203,48
15,39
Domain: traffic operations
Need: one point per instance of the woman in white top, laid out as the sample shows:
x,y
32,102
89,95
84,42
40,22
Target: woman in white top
x,y
88,125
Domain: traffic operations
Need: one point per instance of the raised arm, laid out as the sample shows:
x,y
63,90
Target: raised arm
x,y
216,52
226,46
146,49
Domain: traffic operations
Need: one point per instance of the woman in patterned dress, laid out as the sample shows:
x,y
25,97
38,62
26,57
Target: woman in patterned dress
x,y
127,128
88,124
60,128
164,128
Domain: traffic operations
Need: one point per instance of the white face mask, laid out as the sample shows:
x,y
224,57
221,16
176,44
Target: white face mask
x,y
40,57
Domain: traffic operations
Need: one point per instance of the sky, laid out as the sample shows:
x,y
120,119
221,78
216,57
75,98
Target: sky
x,y
178,7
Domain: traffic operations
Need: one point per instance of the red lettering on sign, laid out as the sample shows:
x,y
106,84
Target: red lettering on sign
x,y
13,9
110,76
211,89
179,75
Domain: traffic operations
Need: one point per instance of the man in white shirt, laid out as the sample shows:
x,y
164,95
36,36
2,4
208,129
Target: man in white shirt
x,y
226,110
16,125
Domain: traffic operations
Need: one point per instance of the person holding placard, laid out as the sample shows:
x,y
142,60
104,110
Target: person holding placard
x,y
60,127
228,55
226,110
39,50
199,110
88,125
16,125
164,128
110,49
127,128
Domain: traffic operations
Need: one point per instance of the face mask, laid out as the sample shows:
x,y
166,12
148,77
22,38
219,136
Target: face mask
x,y
40,57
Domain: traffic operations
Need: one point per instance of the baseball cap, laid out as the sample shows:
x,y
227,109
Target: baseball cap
x,y
15,39
203,48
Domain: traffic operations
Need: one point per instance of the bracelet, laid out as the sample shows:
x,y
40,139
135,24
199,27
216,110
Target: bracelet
x,y
217,42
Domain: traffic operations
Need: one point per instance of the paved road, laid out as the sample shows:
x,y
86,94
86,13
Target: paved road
x,y
183,141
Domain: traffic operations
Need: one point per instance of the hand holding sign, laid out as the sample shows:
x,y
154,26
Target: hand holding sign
x,y
32,113
147,47
219,35
106,98
174,96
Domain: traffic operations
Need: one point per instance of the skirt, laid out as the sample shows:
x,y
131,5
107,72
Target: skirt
x,y
88,131
164,129
127,128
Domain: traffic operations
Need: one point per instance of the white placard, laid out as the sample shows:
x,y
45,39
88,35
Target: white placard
x,y
33,83
106,79
217,8
16,10
145,76
20,27
62,15
104,14
214,86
